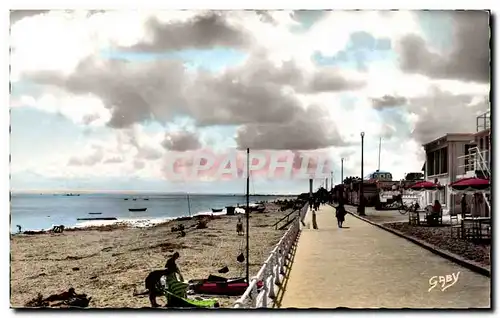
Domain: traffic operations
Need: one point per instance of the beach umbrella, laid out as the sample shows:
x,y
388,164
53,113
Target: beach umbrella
x,y
470,184
425,185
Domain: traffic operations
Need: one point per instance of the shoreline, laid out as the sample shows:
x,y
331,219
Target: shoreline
x,y
109,263
141,222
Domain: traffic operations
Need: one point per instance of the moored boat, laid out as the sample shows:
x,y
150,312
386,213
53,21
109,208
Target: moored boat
x,y
216,210
138,210
97,219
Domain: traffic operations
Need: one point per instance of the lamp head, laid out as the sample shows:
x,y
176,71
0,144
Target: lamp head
x,y
362,134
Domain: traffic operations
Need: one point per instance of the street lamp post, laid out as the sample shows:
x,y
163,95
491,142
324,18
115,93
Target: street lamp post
x,y
361,207
341,170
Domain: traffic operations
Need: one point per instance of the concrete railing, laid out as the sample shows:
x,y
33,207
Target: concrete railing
x,y
271,274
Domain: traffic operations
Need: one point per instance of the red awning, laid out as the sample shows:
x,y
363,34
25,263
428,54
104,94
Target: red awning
x,y
425,185
473,183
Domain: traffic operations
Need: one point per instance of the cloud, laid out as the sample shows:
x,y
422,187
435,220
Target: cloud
x,y
206,30
469,59
181,141
439,112
139,164
388,101
308,130
258,92
113,160
328,79
88,160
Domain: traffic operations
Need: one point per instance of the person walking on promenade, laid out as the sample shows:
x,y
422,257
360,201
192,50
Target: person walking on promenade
x,y
340,213
315,223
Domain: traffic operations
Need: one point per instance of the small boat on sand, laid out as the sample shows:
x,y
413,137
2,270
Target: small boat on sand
x,y
221,286
216,210
95,213
97,219
138,210
125,199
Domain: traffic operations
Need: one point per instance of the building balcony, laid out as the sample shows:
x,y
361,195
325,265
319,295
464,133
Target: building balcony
x,y
477,164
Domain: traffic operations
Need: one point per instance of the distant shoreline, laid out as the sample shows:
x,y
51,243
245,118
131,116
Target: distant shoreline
x,y
147,221
46,192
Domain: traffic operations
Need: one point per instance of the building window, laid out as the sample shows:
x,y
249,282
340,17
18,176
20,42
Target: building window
x,y
430,164
444,160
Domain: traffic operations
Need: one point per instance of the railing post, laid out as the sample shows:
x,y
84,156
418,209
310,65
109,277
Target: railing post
x,y
254,292
272,276
276,269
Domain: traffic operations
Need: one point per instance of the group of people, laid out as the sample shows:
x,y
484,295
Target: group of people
x,y
153,281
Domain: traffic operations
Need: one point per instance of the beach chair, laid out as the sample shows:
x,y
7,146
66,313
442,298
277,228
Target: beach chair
x,y
176,294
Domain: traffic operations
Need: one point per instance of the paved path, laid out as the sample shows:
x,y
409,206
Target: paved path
x,y
364,266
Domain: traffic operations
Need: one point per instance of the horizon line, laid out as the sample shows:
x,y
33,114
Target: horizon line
x,y
80,191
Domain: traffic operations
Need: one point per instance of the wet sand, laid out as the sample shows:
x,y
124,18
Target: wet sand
x,y
109,263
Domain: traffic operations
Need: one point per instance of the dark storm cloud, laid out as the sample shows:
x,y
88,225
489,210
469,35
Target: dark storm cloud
x,y
158,90
388,101
469,58
181,141
328,79
307,130
135,92
207,30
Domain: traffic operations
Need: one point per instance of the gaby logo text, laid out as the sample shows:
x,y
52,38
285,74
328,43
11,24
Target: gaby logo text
x,y
209,165
445,281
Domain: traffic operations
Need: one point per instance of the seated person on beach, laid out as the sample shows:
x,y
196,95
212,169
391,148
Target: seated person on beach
x,y
62,296
239,227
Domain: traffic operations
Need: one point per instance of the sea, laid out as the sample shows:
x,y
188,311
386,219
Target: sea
x,y
36,212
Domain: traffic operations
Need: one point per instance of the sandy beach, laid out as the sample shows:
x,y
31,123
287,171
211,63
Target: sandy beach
x,y
109,263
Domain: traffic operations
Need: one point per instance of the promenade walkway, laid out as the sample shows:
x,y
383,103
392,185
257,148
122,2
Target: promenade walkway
x,y
363,266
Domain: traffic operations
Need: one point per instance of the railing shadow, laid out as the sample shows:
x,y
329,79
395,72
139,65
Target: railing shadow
x,y
274,271
282,289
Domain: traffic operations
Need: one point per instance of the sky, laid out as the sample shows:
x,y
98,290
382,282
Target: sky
x,y
100,100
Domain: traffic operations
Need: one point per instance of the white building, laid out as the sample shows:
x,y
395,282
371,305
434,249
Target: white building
x,y
456,156
442,164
